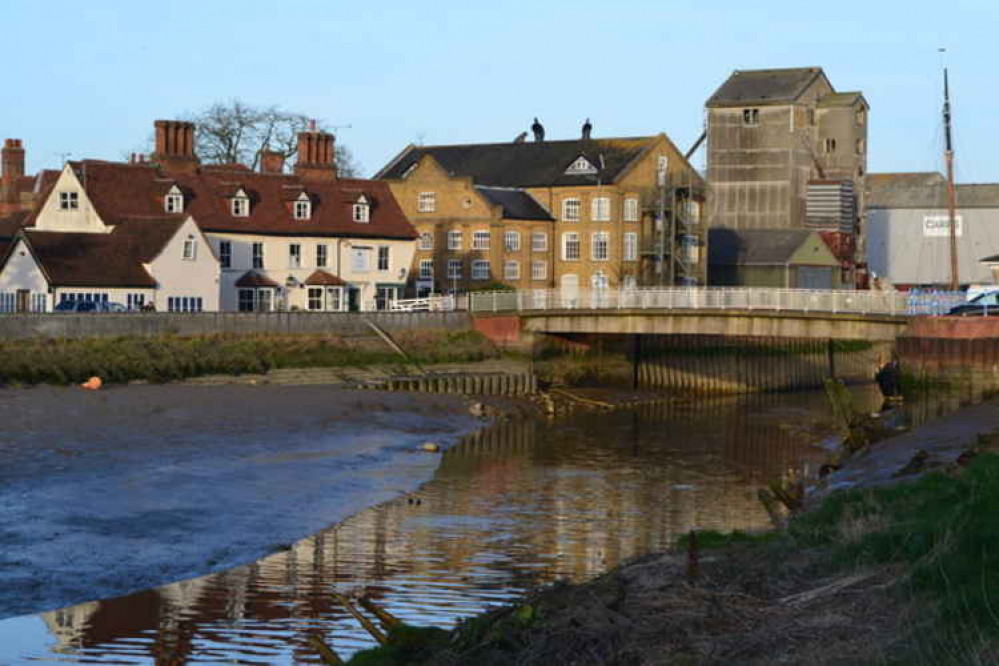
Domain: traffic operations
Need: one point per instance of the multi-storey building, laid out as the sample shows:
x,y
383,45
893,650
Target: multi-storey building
x,y
582,213
786,151
178,235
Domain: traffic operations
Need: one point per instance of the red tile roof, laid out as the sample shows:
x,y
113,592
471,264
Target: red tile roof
x,y
324,279
255,279
122,191
10,225
88,259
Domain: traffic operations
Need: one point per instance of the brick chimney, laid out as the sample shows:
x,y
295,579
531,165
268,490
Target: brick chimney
x,y
12,159
271,161
175,145
315,155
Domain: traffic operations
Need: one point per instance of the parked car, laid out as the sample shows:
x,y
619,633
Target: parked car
x,y
89,306
983,305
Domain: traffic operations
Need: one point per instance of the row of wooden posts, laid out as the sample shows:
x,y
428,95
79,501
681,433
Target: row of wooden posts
x,y
464,383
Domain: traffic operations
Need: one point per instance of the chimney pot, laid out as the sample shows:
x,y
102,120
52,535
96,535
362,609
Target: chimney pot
x,y
271,161
175,145
315,155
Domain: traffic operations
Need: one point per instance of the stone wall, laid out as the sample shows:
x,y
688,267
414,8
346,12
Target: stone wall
x,y
154,324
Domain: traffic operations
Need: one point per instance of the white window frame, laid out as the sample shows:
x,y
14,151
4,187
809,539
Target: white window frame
x,y
426,202
600,209
511,241
454,267
572,209
69,201
322,255
630,246
190,252
481,240
511,270
480,269
240,206
539,270
362,211
426,269
454,240
541,246
631,210
426,241
577,242
257,256
294,255
600,246
384,257
225,254
174,201
315,296
303,208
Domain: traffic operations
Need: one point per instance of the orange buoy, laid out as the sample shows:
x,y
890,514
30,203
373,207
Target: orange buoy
x,y
92,384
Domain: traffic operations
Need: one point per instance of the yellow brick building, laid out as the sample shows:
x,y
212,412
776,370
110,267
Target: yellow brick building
x,y
586,212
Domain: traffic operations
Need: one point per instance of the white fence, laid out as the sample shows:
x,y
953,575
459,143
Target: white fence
x,y
428,304
715,298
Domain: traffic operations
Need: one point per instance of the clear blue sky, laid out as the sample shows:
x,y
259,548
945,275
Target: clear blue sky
x,y
89,78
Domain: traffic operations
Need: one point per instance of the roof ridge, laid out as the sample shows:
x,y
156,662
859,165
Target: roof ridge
x,y
538,143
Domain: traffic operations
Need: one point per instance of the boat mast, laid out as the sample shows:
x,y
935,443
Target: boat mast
x,y
955,281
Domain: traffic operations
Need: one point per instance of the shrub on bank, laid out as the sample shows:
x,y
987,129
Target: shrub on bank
x,y
171,358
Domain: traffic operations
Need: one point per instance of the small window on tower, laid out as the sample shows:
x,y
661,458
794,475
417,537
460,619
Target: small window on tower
x,y
829,145
750,117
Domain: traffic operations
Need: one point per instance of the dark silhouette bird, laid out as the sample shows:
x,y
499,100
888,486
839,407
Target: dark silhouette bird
x,y
538,129
520,137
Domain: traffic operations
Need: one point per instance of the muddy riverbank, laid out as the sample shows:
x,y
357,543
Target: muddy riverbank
x,y
107,492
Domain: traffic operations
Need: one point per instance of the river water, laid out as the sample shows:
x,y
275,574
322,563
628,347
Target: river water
x,y
517,505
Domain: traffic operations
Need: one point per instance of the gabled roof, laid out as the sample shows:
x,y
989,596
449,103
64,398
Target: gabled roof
x,y
252,278
764,86
88,259
126,192
754,246
534,164
841,99
517,204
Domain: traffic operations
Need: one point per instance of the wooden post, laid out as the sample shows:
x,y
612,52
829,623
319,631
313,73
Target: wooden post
x,y
636,351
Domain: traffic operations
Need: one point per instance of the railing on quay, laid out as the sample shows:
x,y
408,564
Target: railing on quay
x,y
716,298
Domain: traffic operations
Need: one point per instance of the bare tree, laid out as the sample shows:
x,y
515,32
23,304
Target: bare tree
x,y
235,131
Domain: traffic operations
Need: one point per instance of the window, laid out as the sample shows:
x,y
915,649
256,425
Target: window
x,y
362,210
600,209
426,202
135,301
184,304
860,115
480,240
539,241
335,298
294,255
303,207
630,282
662,164
321,255
174,202
315,298
360,259
600,247
383,258
631,210
454,269
190,249
246,300
426,269
599,280
426,241
69,200
571,209
539,270
570,246
750,117
225,254
859,147
240,206
454,240
581,166
480,269
511,241
511,270
258,255
829,145
631,246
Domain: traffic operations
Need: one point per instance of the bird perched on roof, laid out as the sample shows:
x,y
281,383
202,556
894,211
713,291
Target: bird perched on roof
x,y
538,129
520,137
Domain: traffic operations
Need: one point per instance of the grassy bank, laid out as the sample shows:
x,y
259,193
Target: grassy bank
x,y
902,575
172,358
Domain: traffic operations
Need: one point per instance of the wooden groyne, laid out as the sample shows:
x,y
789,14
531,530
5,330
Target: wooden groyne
x,y
495,383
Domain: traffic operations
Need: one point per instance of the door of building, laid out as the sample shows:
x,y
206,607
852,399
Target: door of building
x,y
23,300
815,277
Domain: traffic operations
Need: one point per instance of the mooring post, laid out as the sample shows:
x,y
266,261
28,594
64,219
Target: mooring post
x,y
831,355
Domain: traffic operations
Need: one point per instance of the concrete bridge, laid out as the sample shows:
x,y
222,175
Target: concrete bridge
x,y
736,312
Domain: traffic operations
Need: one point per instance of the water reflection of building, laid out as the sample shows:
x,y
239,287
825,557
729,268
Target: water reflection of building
x,y
518,504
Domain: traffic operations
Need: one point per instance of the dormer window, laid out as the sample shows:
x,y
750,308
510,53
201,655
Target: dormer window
x,y
174,201
303,207
69,200
362,209
241,204
581,166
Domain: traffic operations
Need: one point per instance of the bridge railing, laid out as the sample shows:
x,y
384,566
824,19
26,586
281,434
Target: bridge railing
x,y
709,298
